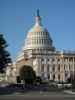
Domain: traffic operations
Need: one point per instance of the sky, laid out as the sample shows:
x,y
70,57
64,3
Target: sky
x,y
18,16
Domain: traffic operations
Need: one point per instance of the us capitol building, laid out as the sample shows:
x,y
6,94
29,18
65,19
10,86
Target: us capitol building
x,y
38,51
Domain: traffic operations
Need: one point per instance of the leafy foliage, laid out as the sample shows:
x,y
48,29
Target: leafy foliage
x,y
4,54
27,74
18,79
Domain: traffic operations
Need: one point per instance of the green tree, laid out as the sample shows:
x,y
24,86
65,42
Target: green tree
x,y
4,54
27,74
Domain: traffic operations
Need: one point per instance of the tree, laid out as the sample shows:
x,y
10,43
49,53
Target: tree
x,y
18,79
4,54
27,74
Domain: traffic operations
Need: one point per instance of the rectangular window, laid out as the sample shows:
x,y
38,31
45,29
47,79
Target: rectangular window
x,y
58,60
42,59
54,77
71,59
53,59
42,68
48,68
58,67
66,74
58,77
53,67
47,59
64,67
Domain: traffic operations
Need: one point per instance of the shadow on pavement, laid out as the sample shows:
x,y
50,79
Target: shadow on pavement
x,y
10,89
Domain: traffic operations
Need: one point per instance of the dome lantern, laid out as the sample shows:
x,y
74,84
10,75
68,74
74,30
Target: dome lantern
x,y
38,18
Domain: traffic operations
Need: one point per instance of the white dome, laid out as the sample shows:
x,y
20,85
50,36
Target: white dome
x,y
38,37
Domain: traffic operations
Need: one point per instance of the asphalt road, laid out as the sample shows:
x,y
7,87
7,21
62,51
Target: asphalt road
x,y
36,96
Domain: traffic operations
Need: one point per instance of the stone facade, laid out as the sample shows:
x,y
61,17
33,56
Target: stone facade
x,y
52,66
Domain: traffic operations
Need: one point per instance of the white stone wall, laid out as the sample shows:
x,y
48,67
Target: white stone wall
x,y
61,74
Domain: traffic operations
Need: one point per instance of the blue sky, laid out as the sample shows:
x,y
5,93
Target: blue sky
x,y
18,16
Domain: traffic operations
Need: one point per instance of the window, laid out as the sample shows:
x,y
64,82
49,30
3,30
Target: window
x,y
41,33
48,68
53,67
48,75
42,68
42,41
54,77
52,59
64,67
39,41
69,66
58,77
70,59
36,41
58,59
66,74
42,59
58,67
47,59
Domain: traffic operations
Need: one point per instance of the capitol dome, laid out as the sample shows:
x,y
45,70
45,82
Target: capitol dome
x,y
39,53
38,37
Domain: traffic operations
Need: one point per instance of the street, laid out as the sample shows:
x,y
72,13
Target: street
x,y
38,96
